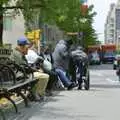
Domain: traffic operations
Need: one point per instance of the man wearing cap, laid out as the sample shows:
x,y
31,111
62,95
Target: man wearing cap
x,y
18,56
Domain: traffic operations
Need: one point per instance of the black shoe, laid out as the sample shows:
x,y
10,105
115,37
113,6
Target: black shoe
x,y
71,86
79,87
75,84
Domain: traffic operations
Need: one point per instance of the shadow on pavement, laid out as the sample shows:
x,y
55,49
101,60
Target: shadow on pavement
x,y
101,67
104,86
55,113
27,113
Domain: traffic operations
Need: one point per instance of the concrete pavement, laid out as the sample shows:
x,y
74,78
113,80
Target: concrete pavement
x,y
102,102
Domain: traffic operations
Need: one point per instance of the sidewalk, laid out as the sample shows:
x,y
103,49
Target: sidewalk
x,y
23,112
96,104
65,105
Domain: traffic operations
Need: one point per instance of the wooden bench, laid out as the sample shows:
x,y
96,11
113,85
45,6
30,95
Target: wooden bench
x,y
10,85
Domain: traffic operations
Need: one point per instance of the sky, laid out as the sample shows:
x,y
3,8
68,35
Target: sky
x,y
102,8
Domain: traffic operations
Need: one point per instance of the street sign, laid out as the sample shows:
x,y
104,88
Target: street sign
x,y
72,33
34,35
80,35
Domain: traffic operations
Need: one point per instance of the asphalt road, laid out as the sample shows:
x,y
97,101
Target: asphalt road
x,y
101,102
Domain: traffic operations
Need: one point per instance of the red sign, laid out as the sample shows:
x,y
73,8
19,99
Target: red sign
x,y
84,9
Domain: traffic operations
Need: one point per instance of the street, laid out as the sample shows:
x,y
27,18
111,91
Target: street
x,y
101,102
42,42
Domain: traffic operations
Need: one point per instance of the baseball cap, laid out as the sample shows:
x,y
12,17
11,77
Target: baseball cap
x,y
22,41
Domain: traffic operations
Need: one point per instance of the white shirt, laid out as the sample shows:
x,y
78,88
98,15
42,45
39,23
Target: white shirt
x,y
32,56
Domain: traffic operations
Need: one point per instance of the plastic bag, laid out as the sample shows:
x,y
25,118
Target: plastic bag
x,y
47,65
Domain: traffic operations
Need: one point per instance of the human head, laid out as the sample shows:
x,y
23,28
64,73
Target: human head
x,y
47,50
22,41
69,42
23,45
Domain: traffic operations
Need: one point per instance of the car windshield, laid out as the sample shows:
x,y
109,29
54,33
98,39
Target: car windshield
x,y
109,54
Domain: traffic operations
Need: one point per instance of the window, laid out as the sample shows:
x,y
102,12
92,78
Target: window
x,y
7,23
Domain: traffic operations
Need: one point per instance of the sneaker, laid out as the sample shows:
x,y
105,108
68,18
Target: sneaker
x,y
75,84
49,93
70,87
37,98
79,88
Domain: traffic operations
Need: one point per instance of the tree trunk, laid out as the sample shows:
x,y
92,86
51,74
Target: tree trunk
x,y
1,25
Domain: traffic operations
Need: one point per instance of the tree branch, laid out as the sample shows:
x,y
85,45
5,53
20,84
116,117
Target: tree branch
x,y
23,7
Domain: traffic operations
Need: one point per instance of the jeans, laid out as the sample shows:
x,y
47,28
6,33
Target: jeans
x,y
80,71
62,75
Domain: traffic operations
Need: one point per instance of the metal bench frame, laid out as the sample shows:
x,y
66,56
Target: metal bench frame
x,y
16,87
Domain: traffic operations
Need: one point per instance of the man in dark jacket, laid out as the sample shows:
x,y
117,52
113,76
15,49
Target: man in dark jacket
x,y
80,59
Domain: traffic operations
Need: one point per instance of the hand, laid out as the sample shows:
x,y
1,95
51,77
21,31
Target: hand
x,y
40,70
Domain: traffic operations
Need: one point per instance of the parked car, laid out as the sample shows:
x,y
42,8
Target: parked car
x,y
108,57
108,53
116,61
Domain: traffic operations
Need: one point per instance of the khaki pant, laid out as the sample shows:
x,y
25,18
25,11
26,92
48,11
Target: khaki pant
x,y
41,85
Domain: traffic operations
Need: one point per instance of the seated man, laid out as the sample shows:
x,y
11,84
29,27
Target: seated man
x,y
61,61
18,56
40,62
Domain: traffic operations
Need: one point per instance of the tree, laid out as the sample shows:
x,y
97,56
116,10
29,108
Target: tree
x,y
65,14
68,16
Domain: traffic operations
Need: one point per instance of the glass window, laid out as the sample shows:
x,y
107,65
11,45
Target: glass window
x,y
109,53
7,23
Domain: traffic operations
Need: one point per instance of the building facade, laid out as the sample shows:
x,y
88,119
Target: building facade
x,y
117,23
112,25
13,26
13,29
109,31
